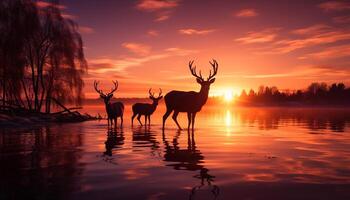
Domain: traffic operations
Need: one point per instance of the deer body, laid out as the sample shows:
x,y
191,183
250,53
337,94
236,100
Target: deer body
x,y
189,102
175,99
113,110
145,109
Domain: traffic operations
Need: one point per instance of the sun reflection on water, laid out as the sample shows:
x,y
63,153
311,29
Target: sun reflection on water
x,y
228,122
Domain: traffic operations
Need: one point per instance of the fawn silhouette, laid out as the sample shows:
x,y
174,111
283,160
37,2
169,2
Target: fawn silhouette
x,y
190,102
114,110
146,109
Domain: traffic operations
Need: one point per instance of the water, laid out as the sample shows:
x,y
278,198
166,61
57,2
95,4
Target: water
x,y
246,153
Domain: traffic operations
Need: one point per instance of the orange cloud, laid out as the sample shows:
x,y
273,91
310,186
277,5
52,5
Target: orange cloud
x,y
330,36
108,65
153,5
44,4
85,30
247,13
341,19
278,43
263,36
191,31
68,16
311,30
332,52
162,8
335,6
306,71
152,33
137,48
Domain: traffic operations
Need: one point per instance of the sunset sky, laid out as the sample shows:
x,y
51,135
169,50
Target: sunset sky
x,y
148,43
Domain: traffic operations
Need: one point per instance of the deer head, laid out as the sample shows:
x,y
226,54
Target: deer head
x,y
155,99
106,96
205,84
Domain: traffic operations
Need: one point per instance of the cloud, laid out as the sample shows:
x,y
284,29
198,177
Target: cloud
x,y
137,48
276,42
266,35
308,71
163,9
152,33
44,4
332,52
247,13
311,30
85,30
341,19
108,65
334,6
191,31
326,37
69,16
154,5
162,16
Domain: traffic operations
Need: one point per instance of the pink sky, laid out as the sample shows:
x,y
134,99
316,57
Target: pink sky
x,y
148,43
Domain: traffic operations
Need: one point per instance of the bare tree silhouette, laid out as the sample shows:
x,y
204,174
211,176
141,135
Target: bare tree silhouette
x,y
190,102
114,110
146,109
41,55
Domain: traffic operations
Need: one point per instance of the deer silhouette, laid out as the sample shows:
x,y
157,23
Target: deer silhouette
x,y
114,110
190,102
146,109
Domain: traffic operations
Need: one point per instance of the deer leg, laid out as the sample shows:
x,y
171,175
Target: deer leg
x,y
189,120
193,118
132,119
138,119
165,116
121,121
145,120
175,119
149,120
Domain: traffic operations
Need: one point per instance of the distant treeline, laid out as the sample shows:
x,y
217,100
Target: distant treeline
x,y
321,94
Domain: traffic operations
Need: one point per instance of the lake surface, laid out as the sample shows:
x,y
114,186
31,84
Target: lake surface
x,y
234,153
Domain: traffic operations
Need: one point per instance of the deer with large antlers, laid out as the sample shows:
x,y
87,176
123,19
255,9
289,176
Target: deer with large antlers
x,y
146,109
189,102
114,110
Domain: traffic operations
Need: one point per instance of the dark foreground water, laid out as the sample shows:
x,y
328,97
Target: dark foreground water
x,y
233,154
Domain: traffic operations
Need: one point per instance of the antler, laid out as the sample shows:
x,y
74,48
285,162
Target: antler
x,y
97,90
193,71
215,66
160,92
150,93
115,87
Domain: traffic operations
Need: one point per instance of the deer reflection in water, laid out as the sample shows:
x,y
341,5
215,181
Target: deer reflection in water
x,y
205,177
145,137
114,141
184,159
190,159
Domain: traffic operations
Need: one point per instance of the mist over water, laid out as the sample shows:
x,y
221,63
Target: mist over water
x,y
235,153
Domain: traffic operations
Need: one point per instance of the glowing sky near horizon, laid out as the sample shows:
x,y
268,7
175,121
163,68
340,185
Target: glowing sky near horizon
x,y
148,43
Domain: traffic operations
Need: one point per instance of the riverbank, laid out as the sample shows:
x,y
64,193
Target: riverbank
x,y
17,119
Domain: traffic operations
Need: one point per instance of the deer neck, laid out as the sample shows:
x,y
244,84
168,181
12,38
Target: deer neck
x,y
108,105
203,95
154,106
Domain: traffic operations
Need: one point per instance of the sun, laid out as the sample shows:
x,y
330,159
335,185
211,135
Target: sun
x,y
228,95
